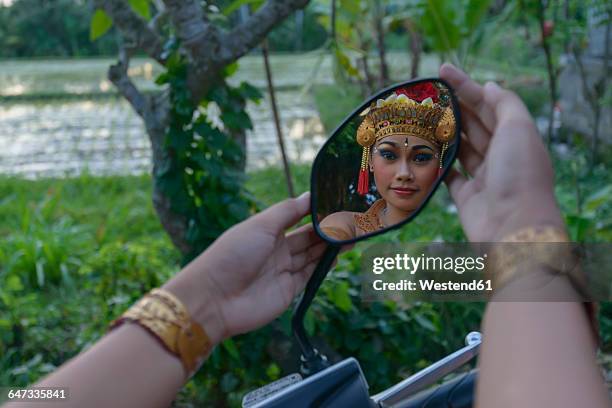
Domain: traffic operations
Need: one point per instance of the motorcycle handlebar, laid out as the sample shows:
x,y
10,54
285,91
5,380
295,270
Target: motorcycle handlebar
x,y
456,393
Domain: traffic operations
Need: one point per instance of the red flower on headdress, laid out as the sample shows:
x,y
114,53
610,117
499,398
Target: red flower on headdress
x,y
419,92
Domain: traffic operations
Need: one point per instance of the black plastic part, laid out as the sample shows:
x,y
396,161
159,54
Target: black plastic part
x,y
341,385
457,393
311,361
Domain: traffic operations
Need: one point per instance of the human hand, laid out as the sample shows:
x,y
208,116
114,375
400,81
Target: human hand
x,y
252,272
510,183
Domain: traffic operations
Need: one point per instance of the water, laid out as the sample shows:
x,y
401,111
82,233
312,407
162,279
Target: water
x,y
64,137
107,137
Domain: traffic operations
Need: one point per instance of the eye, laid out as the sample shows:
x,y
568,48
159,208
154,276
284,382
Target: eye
x,y
422,157
387,155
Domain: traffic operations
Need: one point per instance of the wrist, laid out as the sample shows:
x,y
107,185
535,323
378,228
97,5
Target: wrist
x,y
532,213
194,289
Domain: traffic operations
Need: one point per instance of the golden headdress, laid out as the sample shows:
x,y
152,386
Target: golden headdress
x,y
400,115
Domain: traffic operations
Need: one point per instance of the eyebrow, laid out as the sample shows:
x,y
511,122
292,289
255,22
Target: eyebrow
x,y
415,147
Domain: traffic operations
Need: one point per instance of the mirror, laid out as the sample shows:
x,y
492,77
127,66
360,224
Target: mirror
x,y
385,161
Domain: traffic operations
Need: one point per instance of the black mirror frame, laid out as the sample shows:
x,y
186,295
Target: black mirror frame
x,y
314,172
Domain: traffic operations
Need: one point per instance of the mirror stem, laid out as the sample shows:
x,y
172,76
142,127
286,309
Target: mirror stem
x,y
312,361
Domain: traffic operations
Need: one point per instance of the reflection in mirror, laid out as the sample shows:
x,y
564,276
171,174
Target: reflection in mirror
x,y
384,162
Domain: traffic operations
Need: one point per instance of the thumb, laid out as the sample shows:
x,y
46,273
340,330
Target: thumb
x,y
285,214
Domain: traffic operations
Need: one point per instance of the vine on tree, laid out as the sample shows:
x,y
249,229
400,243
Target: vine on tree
x,y
203,175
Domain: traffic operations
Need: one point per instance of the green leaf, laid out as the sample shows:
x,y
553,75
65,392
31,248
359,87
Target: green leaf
x,y
236,120
230,69
141,7
13,283
100,24
345,62
577,227
441,26
248,91
273,371
236,4
597,199
424,322
230,347
341,298
475,11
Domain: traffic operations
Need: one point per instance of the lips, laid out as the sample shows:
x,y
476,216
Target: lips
x,y
404,191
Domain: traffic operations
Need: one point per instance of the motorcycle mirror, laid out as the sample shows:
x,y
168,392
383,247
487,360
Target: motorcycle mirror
x,y
376,173
385,161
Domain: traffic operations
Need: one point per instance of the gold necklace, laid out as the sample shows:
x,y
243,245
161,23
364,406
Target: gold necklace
x,y
381,224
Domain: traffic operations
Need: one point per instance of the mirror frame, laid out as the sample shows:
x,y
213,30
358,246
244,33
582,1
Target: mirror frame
x,y
367,102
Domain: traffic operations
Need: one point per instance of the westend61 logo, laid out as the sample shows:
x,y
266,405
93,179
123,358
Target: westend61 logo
x,y
412,264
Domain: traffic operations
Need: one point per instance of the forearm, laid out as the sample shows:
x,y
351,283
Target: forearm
x,y
538,354
126,368
129,367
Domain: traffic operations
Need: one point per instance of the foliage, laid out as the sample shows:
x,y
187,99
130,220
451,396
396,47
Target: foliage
x,y
202,174
121,251
291,35
31,28
59,28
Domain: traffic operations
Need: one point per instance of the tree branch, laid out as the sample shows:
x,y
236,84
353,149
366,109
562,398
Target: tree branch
x,y
192,28
160,18
134,29
249,34
118,75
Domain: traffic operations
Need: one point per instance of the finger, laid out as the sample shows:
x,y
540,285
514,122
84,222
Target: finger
x,y
283,215
477,134
301,259
507,105
471,93
301,278
469,158
302,238
455,182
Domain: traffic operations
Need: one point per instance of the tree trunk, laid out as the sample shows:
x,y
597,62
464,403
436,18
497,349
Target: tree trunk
x,y
380,43
416,47
208,48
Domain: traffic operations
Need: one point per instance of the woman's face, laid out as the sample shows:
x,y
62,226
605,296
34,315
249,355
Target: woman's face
x,y
405,168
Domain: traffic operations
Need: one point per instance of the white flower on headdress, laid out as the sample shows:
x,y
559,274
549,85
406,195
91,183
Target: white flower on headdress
x,y
427,102
403,98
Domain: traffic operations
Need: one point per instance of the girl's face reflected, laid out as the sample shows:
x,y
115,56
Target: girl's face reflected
x,y
405,168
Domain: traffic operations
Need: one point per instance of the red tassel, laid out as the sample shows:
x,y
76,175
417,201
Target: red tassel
x,y
363,185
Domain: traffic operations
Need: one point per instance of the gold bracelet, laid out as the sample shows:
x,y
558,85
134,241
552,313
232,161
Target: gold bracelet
x,y
507,261
167,319
513,255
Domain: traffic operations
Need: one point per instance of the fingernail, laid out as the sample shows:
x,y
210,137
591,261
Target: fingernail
x,y
304,194
492,85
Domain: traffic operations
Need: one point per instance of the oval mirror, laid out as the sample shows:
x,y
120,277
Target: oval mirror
x,y
384,162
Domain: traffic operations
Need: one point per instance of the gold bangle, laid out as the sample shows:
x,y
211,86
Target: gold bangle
x,y
167,319
513,253
508,261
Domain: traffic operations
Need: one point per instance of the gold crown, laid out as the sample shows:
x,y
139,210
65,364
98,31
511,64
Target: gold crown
x,y
400,115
